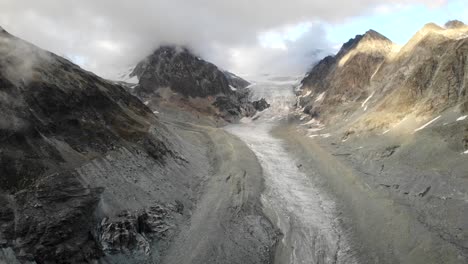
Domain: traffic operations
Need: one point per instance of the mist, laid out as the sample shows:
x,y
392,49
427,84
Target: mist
x,y
104,36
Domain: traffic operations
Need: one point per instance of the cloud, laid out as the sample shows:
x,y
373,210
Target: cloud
x,y
283,56
106,34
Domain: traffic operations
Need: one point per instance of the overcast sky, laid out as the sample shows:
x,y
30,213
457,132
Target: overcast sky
x,y
244,36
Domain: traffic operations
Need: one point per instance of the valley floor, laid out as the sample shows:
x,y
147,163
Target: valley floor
x,y
381,228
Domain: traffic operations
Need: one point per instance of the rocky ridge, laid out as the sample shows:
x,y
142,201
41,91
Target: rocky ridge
x,y
173,70
398,124
371,70
57,118
89,174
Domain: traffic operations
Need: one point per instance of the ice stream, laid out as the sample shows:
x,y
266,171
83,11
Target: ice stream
x,y
305,214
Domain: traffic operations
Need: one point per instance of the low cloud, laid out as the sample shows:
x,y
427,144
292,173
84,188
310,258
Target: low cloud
x,y
107,34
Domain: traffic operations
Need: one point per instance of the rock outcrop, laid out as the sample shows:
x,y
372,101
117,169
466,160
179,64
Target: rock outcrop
x,y
424,77
346,76
172,69
401,114
235,81
89,174
183,72
55,120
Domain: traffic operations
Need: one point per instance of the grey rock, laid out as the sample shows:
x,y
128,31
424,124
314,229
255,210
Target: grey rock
x,y
183,72
261,104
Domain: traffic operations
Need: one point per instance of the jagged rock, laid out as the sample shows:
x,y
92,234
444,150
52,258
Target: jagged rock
x,y
236,81
180,70
133,232
423,77
237,105
228,105
153,222
54,221
454,24
121,235
55,117
345,77
261,104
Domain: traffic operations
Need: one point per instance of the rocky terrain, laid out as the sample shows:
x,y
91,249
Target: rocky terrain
x,y
424,77
89,174
364,163
174,74
390,122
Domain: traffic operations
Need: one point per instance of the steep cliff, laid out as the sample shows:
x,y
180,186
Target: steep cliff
x,y
90,174
398,121
174,74
72,148
346,76
424,77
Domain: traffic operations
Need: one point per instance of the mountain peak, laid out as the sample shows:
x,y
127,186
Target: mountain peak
x,y
178,68
431,27
370,36
374,35
454,24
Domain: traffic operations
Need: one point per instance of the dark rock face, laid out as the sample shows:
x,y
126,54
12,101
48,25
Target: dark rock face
x,y
55,117
54,222
454,24
235,105
180,70
236,81
130,232
261,104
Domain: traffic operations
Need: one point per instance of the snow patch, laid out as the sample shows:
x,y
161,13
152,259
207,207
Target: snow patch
x,y
386,131
155,112
367,100
146,102
320,97
232,88
466,152
428,123
320,135
461,118
314,129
